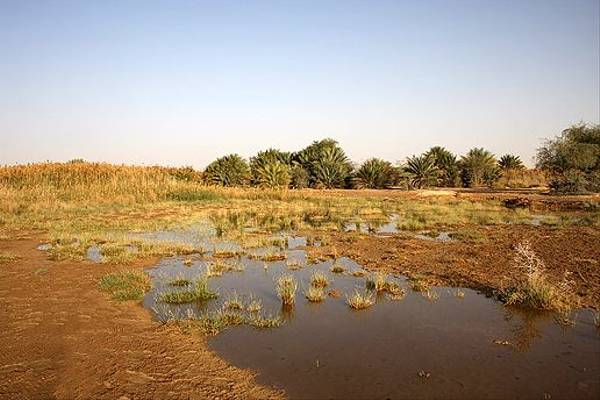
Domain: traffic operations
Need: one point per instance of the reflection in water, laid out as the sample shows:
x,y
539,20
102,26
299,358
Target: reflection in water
x,y
525,325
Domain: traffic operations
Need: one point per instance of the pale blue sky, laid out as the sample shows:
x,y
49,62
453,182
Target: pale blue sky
x,y
182,82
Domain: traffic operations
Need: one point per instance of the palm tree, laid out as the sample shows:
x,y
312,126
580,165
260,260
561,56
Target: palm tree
x,y
446,164
325,162
272,175
422,171
299,177
230,170
375,173
270,156
479,167
332,168
510,161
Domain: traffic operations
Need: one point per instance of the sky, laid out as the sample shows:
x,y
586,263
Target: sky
x,y
183,82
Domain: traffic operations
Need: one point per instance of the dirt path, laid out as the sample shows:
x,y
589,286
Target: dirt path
x,y
61,338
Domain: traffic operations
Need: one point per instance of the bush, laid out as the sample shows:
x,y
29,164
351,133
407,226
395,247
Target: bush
x,y
572,181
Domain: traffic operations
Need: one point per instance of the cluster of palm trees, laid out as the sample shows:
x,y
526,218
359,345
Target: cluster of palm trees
x,y
324,164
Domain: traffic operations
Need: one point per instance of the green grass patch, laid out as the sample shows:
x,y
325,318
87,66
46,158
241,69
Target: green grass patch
x,y
180,282
199,292
125,285
193,195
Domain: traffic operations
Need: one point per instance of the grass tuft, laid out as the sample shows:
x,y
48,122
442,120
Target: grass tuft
x,y
233,302
315,294
125,285
180,282
419,285
218,268
200,292
336,268
264,322
254,305
377,282
360,301
319,279
286,289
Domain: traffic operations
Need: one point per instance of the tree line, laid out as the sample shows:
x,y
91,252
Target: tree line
x,y
572,160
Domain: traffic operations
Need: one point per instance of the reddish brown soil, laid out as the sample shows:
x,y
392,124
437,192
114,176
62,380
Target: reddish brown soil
x,y
62,338
486,265
538,199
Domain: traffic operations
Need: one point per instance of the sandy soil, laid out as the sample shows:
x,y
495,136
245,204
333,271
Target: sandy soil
x,y
62,338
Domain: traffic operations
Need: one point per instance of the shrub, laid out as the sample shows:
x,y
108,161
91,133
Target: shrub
x,y
535,290
521,178
571,181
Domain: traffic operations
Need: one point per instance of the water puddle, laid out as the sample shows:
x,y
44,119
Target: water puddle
x,y
383,227
435,236
94,254
448,344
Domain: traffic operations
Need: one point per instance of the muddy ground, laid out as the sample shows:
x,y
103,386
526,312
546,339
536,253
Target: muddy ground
x,y
485,263
62,338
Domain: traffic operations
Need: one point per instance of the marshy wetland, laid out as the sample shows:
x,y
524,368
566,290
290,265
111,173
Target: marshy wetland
x,y
218,292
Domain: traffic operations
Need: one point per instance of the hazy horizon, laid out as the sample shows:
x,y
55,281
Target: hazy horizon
x,y
181,83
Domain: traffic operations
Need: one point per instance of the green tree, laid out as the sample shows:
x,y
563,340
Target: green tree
x,y
510,161
375,173
266,157
447,166
479,168
230,170
326,164
573,159
299,177
272,175
422,171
